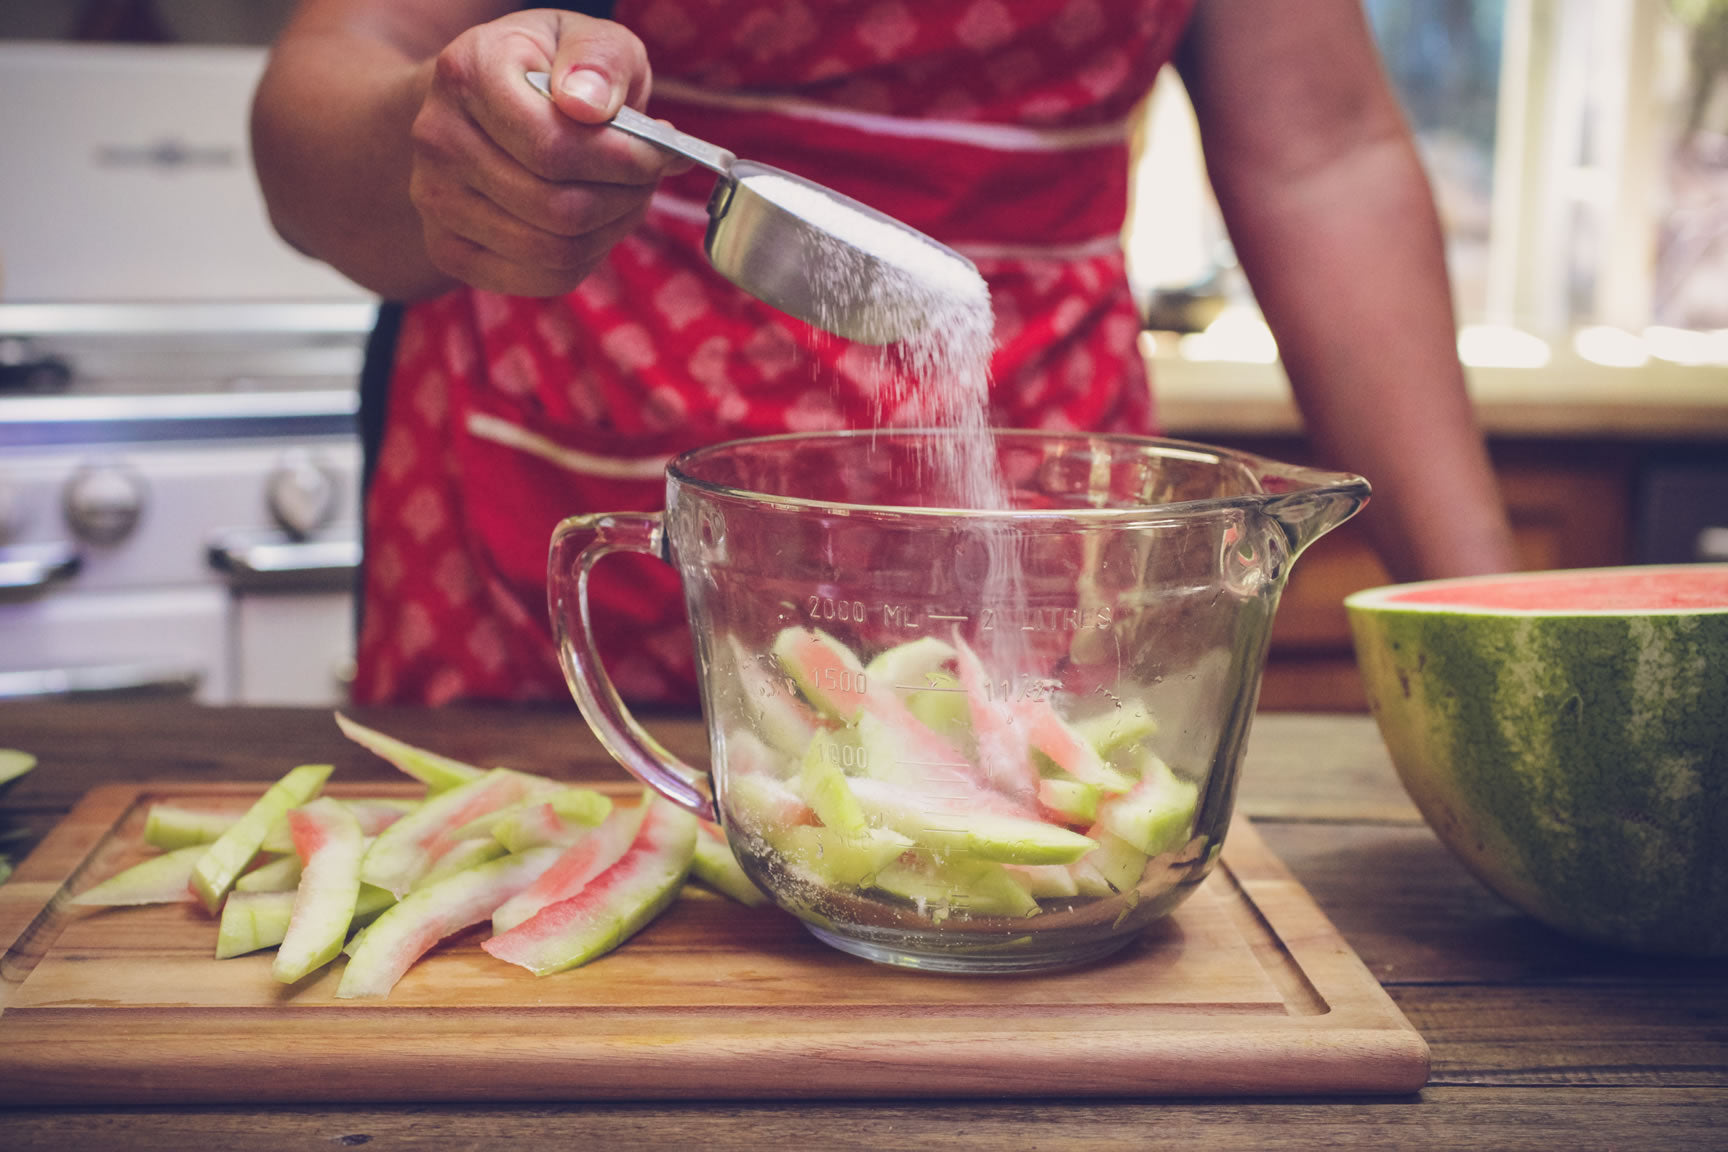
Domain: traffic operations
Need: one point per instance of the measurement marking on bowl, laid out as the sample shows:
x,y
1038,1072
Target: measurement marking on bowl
x,y
934,763
954,829
836,608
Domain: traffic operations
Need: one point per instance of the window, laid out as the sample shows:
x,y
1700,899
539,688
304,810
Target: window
x,y
1579,154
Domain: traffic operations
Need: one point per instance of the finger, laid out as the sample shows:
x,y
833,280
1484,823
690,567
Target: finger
x,y
481,267
559,186
480,93
464,212
455,153
598,67
569,210
489,249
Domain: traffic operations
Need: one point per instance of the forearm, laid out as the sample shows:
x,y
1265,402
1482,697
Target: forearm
x,y
1332,219
332,129
330,137
398,141
1360,303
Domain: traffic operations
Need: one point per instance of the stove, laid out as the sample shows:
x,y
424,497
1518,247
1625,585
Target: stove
x,y
179,460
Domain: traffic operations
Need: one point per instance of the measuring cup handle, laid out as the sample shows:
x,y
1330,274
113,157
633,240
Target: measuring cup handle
x,y
578,543
644,127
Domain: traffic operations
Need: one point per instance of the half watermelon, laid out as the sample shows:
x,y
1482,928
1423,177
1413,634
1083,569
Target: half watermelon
x,y
1566,736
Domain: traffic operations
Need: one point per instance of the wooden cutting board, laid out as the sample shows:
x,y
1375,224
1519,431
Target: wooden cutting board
x,y
1245,989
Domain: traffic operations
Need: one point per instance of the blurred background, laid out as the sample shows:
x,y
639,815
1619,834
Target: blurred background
x,y
179,471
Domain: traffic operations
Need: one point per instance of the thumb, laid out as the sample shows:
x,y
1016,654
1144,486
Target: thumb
x,y
597,68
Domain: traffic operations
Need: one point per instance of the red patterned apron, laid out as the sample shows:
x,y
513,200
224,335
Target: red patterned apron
x,y
999,128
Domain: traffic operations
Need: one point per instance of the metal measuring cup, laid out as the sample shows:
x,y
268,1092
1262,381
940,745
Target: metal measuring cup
x,y
783,259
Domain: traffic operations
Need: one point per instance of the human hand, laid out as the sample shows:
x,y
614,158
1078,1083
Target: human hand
x,y
519,194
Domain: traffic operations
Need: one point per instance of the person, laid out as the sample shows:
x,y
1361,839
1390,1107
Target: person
x,y
560,334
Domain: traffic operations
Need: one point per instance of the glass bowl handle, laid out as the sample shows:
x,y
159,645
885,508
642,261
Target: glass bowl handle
x,y
578,543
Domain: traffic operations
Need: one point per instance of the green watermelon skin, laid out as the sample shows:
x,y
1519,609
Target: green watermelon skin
x,y
1576,763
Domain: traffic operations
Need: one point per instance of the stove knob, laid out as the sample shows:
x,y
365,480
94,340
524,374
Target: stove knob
x,y
104,502
301,493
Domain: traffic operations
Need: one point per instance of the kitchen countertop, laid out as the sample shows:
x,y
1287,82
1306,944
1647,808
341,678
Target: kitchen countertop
x,y
1537,1041
1565,399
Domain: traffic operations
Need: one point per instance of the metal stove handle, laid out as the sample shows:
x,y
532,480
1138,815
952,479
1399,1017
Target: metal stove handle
x,y
286,565
100,680
27,569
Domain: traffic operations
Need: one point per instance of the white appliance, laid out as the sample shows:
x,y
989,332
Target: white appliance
x,y
179,464
126,176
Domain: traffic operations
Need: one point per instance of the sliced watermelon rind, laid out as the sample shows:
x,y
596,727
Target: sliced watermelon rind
x,y
390,945
929,773
160,879
436,772
715,866
407,849
614,905
328,839
228,855
169,826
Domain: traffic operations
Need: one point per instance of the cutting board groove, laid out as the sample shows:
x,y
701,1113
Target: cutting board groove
x,y
1245,989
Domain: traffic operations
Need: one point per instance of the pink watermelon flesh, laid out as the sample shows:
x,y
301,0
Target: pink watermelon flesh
x,y
328,840
831,674
410,928
1003,758
612,905
1663,588
578,864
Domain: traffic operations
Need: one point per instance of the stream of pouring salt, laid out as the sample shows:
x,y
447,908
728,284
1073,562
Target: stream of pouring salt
x,y
937,377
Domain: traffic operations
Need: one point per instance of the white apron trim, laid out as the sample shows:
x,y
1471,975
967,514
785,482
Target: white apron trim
x,y
994,137
487,427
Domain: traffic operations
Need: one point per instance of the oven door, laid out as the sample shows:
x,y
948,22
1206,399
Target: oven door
x,y
132,566
293,615
147,641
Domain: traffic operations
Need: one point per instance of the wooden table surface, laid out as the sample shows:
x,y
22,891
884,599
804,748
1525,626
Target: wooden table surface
x,y
1538,1042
